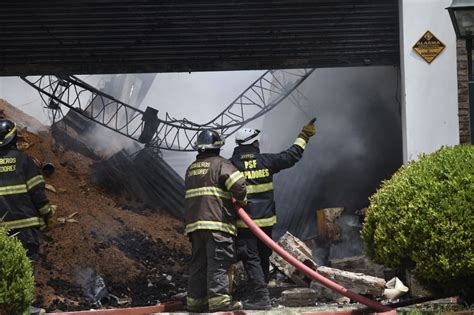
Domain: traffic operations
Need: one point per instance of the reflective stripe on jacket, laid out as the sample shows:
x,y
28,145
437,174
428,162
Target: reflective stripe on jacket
x,y
258,169
211,182
22,198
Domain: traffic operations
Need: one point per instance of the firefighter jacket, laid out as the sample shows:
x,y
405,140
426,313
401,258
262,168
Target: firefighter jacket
x,y
211,183
23,202
258,169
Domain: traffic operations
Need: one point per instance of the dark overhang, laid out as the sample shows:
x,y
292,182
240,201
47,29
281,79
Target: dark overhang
x,y
120,36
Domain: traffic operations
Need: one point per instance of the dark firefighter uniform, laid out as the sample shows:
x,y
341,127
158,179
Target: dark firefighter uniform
x,y
24,206
258,170
211,183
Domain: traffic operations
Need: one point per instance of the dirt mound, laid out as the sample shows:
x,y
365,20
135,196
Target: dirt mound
x,y
139,253
23,120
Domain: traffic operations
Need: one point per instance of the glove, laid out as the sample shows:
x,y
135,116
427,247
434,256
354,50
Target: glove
x,y
242,203
309,130
48,221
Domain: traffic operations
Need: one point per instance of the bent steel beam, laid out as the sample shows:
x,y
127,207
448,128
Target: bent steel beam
x,y
166,133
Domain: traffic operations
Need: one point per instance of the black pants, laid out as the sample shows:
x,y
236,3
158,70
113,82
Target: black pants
x,y
31,239
256,258
213,252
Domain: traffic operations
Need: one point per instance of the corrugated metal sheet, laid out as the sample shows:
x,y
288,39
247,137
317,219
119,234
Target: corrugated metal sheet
x,y
125,36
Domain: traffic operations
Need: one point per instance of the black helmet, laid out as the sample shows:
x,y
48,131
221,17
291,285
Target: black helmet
x,y
7,132
209,139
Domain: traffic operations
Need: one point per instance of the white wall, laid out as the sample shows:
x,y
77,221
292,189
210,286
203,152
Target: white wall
x,y
429,91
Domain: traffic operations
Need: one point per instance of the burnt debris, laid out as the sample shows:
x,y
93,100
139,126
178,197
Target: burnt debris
x,y
144,176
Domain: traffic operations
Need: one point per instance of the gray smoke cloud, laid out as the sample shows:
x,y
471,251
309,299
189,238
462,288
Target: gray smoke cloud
x,y
199,97
357,145
16,92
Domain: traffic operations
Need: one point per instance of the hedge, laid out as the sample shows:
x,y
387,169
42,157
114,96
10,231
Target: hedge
x,y
422,219
16,276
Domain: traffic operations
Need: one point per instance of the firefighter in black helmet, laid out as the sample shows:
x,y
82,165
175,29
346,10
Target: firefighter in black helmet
x,y
24,207
258,169
211,182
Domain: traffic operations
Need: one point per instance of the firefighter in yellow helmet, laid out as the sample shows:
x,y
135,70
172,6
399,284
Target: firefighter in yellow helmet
x,y
258,169
24,207
211,182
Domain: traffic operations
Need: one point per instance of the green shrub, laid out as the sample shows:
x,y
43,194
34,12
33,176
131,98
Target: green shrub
x,y
423,219
16,276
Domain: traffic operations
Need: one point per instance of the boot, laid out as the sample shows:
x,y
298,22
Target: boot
x,y
37,310
258,303
202,309
233,306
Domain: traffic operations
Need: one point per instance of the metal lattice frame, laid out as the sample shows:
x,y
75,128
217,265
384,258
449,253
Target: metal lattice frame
x,y
168,133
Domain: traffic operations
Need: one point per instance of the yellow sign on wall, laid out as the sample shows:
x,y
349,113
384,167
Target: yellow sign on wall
x,y
429,47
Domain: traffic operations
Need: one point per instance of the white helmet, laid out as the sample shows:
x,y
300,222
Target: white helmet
x,y
246,136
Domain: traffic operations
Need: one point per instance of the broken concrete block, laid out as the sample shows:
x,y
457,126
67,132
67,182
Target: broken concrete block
x,y
359,264
357,282
300,251
324,293
299,297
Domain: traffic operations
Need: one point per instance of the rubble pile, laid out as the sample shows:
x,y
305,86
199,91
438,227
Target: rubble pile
x,y
358,282
101,251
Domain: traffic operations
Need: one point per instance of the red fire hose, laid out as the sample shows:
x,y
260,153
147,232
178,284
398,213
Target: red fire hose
x,y
302,267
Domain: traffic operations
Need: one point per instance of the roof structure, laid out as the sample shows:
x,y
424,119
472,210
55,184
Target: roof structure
x,y
143,36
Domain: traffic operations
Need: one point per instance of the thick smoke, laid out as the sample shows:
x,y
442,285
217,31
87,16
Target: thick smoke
x,y
357,145
198,97
130,89
22,96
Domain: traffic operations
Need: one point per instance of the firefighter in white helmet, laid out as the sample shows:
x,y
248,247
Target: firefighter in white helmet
x,y
211,182
258,169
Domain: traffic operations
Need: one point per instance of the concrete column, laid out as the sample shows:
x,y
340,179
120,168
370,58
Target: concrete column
x,y
428,91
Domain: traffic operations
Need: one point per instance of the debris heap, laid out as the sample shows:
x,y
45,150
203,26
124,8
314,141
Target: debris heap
x,y
102,250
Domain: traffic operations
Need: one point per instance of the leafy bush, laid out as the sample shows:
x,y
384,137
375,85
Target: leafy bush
x,y
16,276
423,219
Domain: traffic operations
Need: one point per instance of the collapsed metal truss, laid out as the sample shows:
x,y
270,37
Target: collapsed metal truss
x,y
166,133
